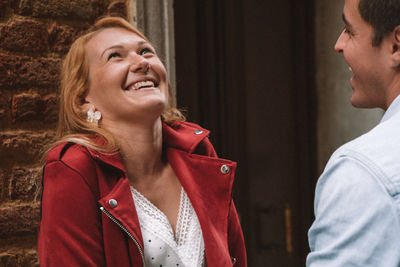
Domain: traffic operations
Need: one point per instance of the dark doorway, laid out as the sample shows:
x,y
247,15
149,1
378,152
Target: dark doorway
x,y
245,71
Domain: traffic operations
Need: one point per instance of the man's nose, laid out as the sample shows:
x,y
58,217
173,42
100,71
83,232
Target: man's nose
x,y
339,43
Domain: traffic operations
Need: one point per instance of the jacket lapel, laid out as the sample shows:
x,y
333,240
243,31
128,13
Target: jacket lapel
x,y
207,186
209,191
119,203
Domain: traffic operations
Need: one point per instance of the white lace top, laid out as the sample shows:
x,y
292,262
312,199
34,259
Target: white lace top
x,y
161,247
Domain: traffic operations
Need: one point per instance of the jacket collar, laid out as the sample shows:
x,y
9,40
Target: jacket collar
x,y
183,136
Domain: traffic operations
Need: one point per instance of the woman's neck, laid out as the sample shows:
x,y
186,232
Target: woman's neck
x,y
141,150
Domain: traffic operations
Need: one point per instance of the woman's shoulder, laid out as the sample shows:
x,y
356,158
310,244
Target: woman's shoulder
x,y
71,154
73,159
69,168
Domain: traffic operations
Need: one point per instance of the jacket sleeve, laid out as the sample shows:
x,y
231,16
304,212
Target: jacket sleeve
x,y
237,247
70,229
356,222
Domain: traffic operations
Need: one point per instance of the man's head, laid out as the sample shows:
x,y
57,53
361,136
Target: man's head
x,y
370,43
382,15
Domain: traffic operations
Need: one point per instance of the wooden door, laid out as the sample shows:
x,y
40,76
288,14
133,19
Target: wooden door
x,y
245,71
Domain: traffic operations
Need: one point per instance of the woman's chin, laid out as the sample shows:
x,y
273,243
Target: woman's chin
x,y
151,110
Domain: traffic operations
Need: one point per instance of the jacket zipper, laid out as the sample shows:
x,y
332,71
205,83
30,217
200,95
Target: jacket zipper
x,y
112,218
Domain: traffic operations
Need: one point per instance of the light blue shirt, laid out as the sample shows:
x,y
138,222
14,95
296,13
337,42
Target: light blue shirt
x,y
357,201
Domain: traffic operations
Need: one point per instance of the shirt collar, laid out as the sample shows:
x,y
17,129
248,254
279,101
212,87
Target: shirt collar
x,y
392,110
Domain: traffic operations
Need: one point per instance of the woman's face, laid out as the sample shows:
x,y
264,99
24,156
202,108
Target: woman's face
x,y
127,81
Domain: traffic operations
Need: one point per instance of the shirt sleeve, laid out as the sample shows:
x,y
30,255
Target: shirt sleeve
x,y
356,220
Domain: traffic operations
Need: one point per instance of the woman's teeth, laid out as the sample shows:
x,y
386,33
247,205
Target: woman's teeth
x,y
139,85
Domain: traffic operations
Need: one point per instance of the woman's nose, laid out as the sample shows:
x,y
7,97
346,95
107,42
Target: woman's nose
x,y
139,64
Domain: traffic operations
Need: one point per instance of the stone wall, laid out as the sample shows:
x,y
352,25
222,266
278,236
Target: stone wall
x,y
338,122
34,37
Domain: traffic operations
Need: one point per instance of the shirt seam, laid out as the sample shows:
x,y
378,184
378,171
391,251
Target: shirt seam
x,y
377,173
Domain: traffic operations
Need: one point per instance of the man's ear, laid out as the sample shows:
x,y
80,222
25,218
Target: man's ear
x,y
396,47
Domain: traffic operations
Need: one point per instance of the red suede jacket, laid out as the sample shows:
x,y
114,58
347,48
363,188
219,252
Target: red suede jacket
x,y
88,214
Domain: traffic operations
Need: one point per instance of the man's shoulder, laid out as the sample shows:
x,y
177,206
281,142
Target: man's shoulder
x,y
377,152
382,141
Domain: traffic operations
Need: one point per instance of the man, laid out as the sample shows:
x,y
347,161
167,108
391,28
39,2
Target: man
x,y
357,201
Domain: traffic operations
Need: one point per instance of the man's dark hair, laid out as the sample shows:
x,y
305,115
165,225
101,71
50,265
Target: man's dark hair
x,y
382,15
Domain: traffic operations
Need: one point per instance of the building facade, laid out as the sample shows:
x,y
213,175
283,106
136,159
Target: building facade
x,y
261,75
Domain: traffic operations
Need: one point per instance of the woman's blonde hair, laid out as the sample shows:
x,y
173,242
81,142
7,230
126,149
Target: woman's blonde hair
x,y
72,124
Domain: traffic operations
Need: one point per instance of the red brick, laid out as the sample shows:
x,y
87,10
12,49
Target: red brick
x,y
68,9
23,71
31,106
25,183
26,107
3,7
2,179
24,36
24,7
117,9
61,37
50,108
23,147
19,258
3,104
19,220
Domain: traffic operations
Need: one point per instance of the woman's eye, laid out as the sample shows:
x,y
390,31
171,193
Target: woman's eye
x,y
112,55
145,51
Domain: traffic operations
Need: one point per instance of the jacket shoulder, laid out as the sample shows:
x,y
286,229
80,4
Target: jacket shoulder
x,y
69,153
76,158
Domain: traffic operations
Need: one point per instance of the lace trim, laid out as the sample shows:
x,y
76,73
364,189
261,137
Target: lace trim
x,y
188,241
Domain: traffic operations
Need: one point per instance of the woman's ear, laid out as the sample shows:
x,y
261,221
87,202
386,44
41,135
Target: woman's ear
x,y
396,47
85,106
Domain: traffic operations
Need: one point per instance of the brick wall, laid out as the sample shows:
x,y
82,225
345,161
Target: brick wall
x,y
34,37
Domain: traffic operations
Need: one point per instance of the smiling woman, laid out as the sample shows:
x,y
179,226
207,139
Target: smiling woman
x,y
128,82
128,182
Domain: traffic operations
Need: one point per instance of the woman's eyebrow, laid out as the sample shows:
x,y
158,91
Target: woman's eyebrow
x,y
140,43
109,48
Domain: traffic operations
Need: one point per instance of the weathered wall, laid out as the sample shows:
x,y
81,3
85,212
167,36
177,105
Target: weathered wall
x,y
156,20
338,122
34,36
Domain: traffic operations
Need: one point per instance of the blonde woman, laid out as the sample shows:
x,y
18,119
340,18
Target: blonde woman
x,y
128,182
